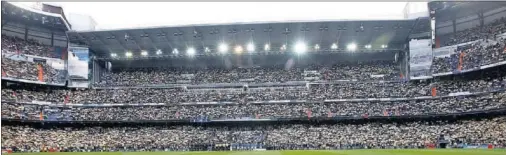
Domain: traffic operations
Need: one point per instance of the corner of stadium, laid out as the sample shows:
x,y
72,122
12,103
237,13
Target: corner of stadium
x,y
432,83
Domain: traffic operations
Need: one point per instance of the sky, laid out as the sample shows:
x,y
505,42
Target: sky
x,y
116,15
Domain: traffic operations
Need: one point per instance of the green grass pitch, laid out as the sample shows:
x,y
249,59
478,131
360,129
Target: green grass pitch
x,y
299,152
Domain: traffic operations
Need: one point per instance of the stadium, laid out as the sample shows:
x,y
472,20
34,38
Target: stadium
x,y
429,84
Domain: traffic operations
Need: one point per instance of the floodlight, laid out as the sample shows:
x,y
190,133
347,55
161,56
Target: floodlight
x,y
238,49
300,47
267,47
317,47
128,54
250,47
334,46
158,52
114,55
368,46
351,46
384,46
206,49
144,53
190,51
175,51
283,47
223,48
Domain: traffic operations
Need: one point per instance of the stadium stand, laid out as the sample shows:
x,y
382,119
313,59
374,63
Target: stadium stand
x,y
293,137
366,104
258,75
443,105
487,32
26,47
311,92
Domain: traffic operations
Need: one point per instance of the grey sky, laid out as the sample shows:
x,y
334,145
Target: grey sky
x,y
114,15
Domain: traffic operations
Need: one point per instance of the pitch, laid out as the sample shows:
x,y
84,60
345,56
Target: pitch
x,y
297,152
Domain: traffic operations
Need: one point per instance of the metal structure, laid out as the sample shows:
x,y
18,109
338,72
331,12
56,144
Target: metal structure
x,y
32,17
264,38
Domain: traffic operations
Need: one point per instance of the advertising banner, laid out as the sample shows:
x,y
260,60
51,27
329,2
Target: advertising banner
x,y
78,58
78,68
420,57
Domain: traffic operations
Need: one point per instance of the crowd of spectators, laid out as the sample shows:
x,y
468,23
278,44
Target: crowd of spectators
x,y
288,136
239,103
27,70
311,92
477,54
29,47
487,49
488,31
457,104
444,64
143,77
19,69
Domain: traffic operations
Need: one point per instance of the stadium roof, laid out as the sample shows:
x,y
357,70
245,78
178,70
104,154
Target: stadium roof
x,y
393,33
33,17
446,11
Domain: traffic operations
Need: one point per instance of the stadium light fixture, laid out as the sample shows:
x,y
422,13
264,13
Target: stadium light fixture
x,y
384,46
317,47
158,52
368,46
250,47
223,48
351,46
144,53
128,54
267,47
114,55
300,47
238,49
207,50
175,51
283,47
334,46
190,51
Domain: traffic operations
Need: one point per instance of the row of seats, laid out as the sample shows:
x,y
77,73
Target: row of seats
x,y
184,138
445,105
387,71
31,71
471,56
313,92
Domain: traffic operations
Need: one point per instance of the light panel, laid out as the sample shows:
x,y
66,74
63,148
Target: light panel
x,y
223,48
334,46
250,47
128,54
190,51
238,49
351,46
144,53
300,47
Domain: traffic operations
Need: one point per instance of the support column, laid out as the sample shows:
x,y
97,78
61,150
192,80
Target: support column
x,y
481,18
454,22
3,23
26,32
52,38
454,25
